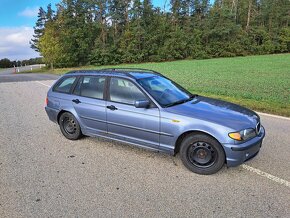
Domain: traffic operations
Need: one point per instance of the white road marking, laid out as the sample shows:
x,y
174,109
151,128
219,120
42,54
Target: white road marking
x,y
274,116
42,84
266,175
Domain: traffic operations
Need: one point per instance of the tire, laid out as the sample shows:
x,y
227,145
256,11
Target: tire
x,y
202,154
69,126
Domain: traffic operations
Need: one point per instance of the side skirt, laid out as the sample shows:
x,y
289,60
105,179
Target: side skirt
x,y
107,136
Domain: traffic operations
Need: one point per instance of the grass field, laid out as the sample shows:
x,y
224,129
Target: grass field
x,y
261,83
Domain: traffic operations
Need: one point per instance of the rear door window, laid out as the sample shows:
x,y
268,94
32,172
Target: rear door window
x,y
91,87
65,85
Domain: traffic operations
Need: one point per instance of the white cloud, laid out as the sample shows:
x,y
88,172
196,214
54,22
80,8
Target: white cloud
x,y
14,43
29,12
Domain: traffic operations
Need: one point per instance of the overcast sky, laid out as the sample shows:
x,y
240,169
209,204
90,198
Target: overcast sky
x,y
17,18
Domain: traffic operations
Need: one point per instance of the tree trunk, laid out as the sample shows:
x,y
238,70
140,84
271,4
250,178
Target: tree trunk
x,y
235,8
249,15
103,24
127,14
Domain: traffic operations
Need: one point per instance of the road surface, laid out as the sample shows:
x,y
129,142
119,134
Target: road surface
x,y
8,75
45,175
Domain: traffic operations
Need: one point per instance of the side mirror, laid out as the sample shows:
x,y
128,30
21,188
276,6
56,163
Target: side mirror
x,y
142,104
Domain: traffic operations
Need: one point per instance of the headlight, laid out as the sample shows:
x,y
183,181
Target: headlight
x,y
243,135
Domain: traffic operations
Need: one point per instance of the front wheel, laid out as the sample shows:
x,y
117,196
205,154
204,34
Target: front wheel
x,y
69,126
202,154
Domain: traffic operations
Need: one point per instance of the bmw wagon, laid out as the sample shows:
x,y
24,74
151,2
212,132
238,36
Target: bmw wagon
x,y
144,108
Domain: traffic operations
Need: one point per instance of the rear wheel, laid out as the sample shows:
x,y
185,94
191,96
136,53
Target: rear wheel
x,y
202,154
69,126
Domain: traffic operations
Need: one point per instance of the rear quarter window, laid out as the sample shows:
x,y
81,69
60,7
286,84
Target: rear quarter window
x,y
65,85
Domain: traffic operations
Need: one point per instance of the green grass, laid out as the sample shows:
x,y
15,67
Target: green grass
x,y
261,83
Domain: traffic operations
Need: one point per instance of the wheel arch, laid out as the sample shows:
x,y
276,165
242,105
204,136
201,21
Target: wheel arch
x,y
183,135
60,113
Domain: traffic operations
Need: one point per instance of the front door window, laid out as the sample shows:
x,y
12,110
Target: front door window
x,y
124,91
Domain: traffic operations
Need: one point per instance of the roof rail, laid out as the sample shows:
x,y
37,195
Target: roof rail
x,y
124,71
128,69
102,71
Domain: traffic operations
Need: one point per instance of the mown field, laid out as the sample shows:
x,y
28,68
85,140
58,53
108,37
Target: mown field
x,y
261,83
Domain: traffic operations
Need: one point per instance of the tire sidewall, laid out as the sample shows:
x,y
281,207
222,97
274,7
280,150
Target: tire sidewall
x,y
74,136
192,138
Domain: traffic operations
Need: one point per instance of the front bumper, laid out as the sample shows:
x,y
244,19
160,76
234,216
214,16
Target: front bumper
x,y
237,154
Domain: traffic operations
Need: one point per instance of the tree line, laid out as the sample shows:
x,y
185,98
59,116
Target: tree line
x,y
103,32
7,63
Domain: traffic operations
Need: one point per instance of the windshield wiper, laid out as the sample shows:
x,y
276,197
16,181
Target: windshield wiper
x,y
181,101
192,96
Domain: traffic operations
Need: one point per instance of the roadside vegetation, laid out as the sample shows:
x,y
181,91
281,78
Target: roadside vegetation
x,y
89,33
261,83
102,32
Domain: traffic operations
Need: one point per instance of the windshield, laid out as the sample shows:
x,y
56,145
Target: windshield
x,y
165,92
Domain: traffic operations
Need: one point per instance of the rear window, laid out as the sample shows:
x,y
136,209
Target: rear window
x,y
65,85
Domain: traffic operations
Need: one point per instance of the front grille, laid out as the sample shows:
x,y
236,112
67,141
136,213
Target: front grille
x,y
258,128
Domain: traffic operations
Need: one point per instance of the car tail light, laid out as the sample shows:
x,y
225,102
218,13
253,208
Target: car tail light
x,y
46,101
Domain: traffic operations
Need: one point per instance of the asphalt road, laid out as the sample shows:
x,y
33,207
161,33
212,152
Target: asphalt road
x,y
8,75
26,77
45,175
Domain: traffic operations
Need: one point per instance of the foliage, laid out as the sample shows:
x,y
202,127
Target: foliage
x,y
103,32
5,63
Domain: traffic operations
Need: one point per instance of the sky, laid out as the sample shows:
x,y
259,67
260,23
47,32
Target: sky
x,y
17,18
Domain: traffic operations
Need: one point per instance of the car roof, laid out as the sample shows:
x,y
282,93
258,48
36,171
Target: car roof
x,y
135,73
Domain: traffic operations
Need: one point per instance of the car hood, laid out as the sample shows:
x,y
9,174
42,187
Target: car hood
x,y
217,111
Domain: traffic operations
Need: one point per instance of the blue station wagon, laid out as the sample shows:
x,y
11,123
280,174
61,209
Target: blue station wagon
x,y
146,109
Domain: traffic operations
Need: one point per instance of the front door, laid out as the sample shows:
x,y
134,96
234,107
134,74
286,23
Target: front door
x,y
125,121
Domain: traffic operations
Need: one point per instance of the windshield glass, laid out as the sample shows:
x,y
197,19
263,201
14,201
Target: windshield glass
x,y
165,92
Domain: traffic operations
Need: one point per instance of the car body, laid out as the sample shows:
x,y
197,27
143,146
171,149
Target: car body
x,y
135,106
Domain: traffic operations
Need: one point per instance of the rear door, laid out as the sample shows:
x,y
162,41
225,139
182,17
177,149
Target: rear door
x,y
125,121
88,101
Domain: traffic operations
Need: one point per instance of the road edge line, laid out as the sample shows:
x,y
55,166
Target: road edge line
x,y
42,84
266,175
272,115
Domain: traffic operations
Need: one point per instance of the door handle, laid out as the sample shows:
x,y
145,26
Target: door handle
x,y
112,107
77,101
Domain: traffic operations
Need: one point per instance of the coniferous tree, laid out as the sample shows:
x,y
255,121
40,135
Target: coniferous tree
x,y
38,29
131,31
